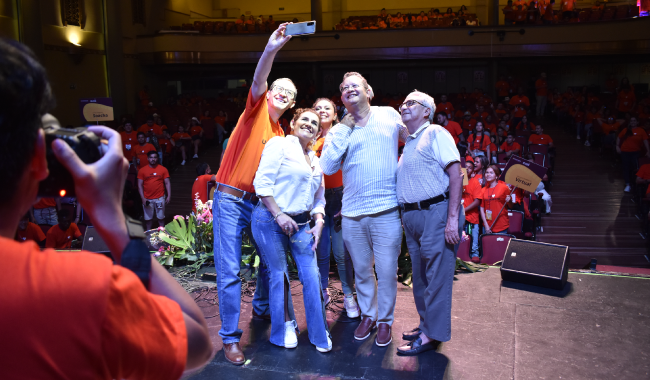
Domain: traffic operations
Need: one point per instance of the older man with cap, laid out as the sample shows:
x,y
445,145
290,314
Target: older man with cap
x,y
364,147
429,190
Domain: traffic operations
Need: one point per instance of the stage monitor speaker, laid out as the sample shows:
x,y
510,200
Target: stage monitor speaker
x,y
535,263
94,243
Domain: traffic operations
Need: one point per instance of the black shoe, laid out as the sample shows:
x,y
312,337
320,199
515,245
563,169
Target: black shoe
x,y
261,317
411,335
417,347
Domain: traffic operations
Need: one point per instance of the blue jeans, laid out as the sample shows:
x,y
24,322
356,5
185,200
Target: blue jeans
x,y
475,238
333,240
232,217
274,245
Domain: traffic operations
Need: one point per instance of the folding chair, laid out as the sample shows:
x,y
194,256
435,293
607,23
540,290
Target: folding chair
x,y
538,148
464,249
493,247
502,158
539,158
523,141
516,220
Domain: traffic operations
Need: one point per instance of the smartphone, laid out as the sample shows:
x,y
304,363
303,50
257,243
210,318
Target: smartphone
x,y
300,28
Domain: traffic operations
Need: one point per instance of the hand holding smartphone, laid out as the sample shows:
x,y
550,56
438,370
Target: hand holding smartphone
x,y
300,28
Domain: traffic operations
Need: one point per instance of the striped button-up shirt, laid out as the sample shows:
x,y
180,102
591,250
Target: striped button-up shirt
x,y
421,171
367,156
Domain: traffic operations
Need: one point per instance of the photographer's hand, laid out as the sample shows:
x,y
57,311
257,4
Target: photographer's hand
x,y
99,187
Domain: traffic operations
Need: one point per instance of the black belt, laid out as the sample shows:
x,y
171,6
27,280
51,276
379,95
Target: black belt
x,y
333,190
301,218
424,205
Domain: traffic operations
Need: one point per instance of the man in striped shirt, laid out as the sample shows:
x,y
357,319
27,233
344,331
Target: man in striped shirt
x,y
364,147
429,187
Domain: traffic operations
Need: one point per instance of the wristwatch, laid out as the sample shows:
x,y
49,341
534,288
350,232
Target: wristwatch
x,y
136,256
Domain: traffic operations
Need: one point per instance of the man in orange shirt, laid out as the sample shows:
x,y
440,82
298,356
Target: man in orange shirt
x,y
180,139
541,93
150,129
61,235
29,231
44,211
445,107
510,146
540,138
129,139
234,198
567,9
78,315
141,150
153,180
520,104
200,186
503,89
452,127
626,100
241,20
467,122
196,133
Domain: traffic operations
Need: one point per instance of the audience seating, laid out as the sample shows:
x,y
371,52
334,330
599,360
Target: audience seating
x,y
493,247
516,220
463,250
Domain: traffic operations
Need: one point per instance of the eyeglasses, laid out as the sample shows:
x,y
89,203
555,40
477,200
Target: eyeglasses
x,y
345,89
409,104
287,92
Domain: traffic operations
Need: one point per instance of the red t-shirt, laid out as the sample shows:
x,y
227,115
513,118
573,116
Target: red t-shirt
x,y
626,99
446,108
179,136
540,87
507,148
633,143
331,181
540,139
155,128
45,203
493,200
242,157
468,124
75,315
472,191
200,187
31,232
503,87
519,102
59,239
165,145
644,173
195,130
141,152
153,184
478,144
454,129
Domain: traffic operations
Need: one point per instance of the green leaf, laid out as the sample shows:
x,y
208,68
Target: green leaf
x,y
257,261
174,242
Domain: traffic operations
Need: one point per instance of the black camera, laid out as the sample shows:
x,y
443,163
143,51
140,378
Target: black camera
x,y
83,142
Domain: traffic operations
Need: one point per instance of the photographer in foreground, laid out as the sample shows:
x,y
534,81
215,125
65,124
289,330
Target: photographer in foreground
x,y
75,315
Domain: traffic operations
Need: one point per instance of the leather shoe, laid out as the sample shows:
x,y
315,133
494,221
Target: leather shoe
x,y
233,353
416,347
411,335
384,336
365,328
261,317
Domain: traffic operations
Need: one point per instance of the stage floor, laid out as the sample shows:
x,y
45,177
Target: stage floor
x,y
597,328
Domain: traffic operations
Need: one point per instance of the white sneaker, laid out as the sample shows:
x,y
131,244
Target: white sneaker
x,y
183,163
587,143
326,349
196,156
351,306
578,137
290,337
627,189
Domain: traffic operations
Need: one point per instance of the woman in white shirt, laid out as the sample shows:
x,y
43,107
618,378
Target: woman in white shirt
x,y
289,181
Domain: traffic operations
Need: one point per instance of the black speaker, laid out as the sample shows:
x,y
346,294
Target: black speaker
x,y
535,263
94,243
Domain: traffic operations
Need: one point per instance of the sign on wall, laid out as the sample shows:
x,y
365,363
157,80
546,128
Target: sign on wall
x,y
96,109
402,77
479,76
441,77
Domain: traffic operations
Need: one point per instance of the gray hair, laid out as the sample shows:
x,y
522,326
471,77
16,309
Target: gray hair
x,y
427,101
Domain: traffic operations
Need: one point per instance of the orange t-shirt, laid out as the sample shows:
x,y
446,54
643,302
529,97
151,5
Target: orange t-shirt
x,y
521,126
178,136
609,128
454,129
589,118
540,87
45,203
200,187
141,151
483,115
644,173
626,99
499,113
520,101
129,140
221,120
331,181
633,143
472,191
59,239
502,88
242,157
153,185
445,107
568,5
468,124
507,148
195,130
165,145
144,128
493,200
84,318
540,139
31,232
478,144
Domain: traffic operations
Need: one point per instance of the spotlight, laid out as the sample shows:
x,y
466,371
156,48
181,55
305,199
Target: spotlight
x,y
470,33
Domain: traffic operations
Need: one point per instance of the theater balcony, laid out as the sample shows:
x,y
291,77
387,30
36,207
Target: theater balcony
x,y
622,37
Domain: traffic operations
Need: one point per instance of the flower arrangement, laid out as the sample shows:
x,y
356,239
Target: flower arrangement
x,y
187,237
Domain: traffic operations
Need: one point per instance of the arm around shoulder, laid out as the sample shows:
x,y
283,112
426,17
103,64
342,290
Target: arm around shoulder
x,y
334,148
